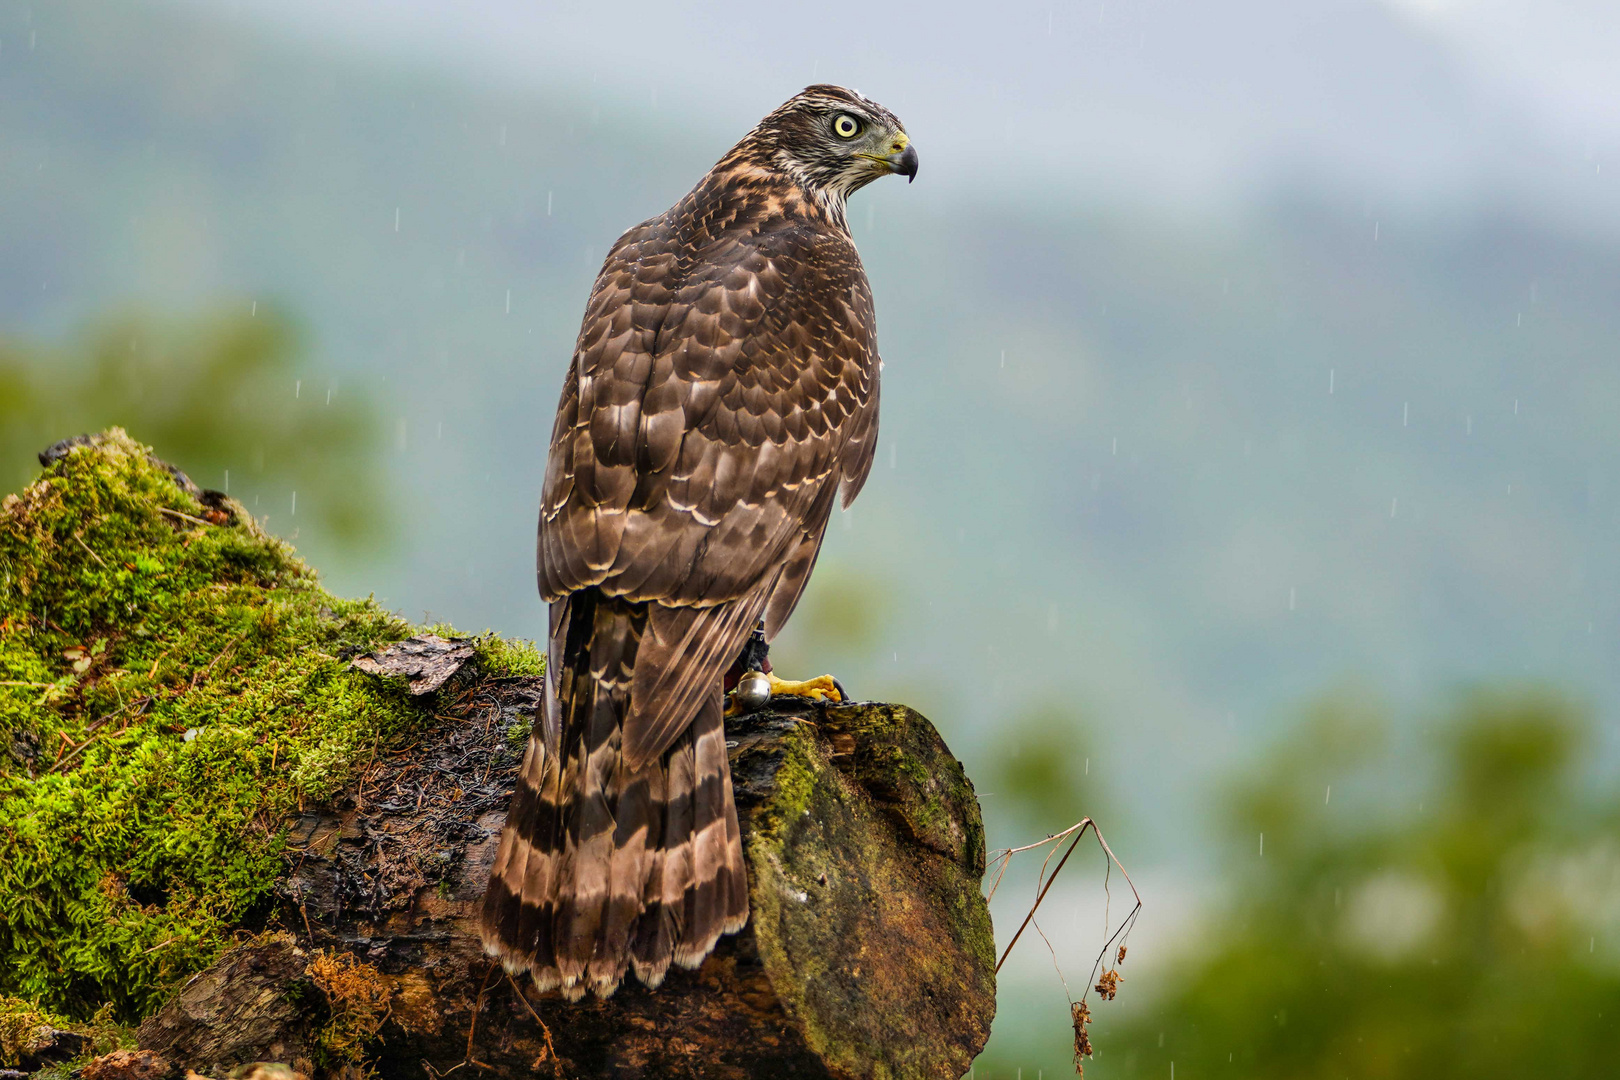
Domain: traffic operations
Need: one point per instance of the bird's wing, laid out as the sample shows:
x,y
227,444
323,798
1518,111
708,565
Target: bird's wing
x,y
720,393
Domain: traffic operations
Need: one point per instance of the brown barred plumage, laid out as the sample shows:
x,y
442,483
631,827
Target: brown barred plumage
x,y
724,390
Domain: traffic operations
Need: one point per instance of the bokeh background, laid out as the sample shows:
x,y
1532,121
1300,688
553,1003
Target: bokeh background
x,y
1249,477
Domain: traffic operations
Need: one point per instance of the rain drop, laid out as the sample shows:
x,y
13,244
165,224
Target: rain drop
x,y
1262,845
298,389
295,504
396,219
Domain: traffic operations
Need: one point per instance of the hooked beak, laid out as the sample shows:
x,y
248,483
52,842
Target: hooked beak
x,y
905,162
903,159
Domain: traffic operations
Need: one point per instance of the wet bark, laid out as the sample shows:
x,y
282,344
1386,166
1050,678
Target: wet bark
x,y
868,952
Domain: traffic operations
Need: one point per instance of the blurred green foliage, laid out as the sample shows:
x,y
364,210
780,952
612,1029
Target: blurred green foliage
x,y
842,614
217,393
1041,774
1469,928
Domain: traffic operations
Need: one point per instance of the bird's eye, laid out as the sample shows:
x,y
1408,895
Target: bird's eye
x,y
846,127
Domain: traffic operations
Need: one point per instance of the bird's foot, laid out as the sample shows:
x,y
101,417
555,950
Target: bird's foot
x,y
820,688
756,688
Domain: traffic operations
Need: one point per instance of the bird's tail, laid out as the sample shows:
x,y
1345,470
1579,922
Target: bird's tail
x,y
602,868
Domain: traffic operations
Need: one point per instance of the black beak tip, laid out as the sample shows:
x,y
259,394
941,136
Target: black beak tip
x,y
907,166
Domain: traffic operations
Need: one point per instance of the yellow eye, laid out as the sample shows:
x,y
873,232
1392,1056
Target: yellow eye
x,y
846,127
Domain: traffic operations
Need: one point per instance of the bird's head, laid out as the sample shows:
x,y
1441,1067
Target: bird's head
x,y
833,141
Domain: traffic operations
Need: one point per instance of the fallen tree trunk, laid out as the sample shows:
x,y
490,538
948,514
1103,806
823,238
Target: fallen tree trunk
x,y
868,953
200,742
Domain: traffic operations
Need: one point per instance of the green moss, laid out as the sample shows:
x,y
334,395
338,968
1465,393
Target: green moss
x,y
910,769
795,786
498,656
22,1022
19,1020
864,859
170,690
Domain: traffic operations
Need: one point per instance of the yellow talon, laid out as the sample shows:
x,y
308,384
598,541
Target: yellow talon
x,y
820,688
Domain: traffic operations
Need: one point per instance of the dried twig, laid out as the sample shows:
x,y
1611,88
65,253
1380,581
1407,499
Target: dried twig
x,y
551,1051
1107,985
183,517
86,547
230,646
478,1005
1078,829
91,734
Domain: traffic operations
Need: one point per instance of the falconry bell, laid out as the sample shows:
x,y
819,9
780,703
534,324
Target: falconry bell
x,y
753,691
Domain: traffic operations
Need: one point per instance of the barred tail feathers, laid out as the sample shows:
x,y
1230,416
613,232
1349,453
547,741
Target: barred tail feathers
x,y
601,868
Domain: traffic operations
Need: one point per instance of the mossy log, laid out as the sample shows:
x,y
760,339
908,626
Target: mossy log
x,y
868,954
361,846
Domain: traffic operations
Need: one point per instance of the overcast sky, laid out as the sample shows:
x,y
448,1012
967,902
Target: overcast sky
x,y
1174,99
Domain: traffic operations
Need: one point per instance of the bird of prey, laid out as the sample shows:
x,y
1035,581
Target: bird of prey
x,y
723,394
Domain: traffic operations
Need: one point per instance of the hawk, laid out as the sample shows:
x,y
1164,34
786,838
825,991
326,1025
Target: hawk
x,y
723,394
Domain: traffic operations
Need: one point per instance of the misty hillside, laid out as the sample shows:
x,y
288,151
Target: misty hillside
x,y
1165,473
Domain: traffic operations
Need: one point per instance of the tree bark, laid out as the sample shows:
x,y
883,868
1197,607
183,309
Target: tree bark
x,y
868,952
